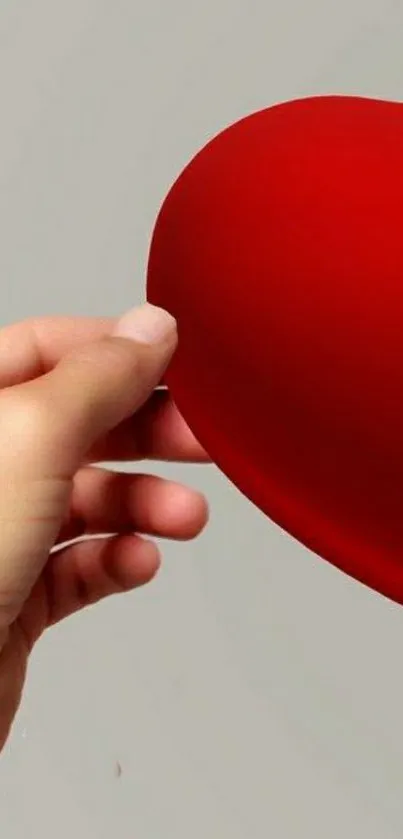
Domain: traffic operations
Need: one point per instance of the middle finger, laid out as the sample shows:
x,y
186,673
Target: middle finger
x,y
110,502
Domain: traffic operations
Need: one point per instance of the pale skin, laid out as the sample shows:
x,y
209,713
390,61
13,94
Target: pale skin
x,y
75,392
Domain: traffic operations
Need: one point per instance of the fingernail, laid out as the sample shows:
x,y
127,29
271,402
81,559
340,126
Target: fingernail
x,y
147,324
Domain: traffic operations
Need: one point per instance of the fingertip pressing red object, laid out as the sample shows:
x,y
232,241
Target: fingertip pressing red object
x,y
280,251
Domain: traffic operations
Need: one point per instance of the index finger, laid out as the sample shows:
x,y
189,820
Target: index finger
x,y
156,432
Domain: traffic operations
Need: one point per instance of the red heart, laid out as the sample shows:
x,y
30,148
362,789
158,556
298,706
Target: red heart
x,y
280,251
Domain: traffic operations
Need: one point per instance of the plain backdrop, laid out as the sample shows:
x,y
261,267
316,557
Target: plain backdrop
x,y
252,691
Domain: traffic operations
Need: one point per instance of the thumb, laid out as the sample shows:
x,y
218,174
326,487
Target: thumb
x,y
46,427
57,417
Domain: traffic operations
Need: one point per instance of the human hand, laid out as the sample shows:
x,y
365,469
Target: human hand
x,y
75,392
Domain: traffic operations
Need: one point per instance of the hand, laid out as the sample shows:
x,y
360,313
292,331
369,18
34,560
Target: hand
x,y
74,392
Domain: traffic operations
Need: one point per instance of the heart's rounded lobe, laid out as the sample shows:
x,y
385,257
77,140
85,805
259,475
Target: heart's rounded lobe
x,y
280,251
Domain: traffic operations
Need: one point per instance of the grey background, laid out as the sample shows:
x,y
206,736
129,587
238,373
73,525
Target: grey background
x,y
252,691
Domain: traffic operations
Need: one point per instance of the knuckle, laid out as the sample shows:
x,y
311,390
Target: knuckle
x,y
11,603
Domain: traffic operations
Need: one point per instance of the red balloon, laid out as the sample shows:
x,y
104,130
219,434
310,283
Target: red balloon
x,y
280,251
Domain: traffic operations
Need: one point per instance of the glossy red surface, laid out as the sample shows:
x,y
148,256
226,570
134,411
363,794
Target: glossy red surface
x,y
280,251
